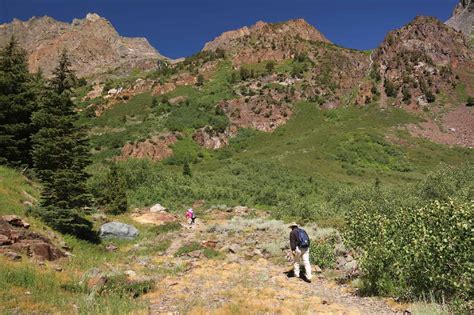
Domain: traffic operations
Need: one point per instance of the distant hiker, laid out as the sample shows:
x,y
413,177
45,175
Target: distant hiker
x,y
190,216
299,244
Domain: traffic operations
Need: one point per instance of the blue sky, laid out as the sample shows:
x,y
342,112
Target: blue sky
x,y
181,27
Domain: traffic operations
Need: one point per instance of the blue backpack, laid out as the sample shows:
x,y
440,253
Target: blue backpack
x,y
302,238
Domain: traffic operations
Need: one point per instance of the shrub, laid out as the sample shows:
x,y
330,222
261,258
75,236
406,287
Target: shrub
x,y
114,192
200,80
414,250
210,253
322,254
121,286
430,97
470,101
390,89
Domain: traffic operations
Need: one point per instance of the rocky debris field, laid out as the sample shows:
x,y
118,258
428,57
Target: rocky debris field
x,y
240,266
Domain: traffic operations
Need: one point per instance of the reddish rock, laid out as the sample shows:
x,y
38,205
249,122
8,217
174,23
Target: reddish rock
x,y
156,148
15,236
210,244
257,112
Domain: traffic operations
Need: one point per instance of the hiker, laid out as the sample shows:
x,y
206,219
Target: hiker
x,y
190,216
299,244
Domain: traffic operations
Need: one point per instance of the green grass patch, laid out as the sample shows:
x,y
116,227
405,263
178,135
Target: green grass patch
x,y
188,248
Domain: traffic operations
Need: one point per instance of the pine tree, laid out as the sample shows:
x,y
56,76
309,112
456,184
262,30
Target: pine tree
x,y
60,155
114,197
17,103
64,78
200,80
187,169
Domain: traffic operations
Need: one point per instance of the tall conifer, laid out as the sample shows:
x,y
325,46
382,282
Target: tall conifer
x,y
61,153
17,103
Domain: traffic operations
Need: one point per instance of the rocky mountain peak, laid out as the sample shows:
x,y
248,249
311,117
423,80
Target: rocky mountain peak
x,y
420,60
92,17
267,41
266,31
93,44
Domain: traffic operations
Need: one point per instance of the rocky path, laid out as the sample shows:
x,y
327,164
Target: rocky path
x,y
241,284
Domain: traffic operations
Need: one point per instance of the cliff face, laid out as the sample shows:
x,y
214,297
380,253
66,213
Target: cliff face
x,y
463,18
93,44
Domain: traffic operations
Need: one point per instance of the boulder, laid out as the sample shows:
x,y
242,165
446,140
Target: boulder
x,y
158,208
118,230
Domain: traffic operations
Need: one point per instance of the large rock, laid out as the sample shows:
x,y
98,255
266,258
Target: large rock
x,y
15,221
157,208
118,230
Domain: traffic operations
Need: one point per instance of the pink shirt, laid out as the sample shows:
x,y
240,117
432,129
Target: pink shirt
x,y
189,214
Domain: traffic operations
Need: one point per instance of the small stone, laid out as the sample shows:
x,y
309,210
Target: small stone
x,y
234,248
111,248
13,255
195,254
58,269
317,269
130,273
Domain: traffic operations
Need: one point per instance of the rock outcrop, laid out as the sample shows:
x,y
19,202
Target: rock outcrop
x,y
213,139
463,18
93,44
16,239
157,148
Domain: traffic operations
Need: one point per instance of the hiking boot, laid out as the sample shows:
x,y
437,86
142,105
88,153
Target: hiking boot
x,y
306,279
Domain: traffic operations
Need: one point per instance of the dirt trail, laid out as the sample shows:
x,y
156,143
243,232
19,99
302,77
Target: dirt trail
x,y
239,284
